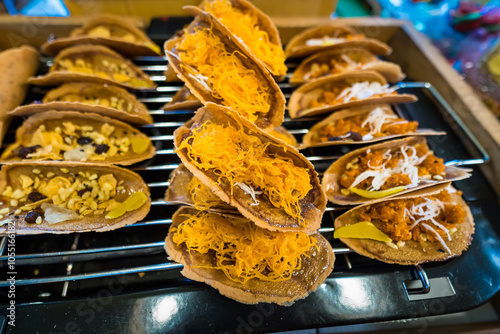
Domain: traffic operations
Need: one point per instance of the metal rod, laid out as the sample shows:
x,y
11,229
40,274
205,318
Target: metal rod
x,y
69,266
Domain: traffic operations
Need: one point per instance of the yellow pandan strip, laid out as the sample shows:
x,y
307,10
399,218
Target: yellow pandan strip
x,y
361,230
377,193
133,202
139,145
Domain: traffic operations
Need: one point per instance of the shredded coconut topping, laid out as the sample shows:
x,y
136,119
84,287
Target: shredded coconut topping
x,y
249,191
376,119
437,236
325,41
365,89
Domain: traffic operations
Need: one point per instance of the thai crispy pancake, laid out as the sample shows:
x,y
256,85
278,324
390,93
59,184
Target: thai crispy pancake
x,y
316,263
412,252
94,63
66,197
330,37
255,29
74,136
340,91
283,134
186,189
16,66
98,98
339,194
227,73
377,123
344,60
183,99
108,30
251,170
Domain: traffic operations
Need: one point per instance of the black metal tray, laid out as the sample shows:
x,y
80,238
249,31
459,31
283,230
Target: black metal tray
x,y
121,281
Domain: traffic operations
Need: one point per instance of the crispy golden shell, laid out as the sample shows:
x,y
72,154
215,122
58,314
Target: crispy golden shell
x,y
331,177
183,99
298,105
142,46
265,214
297,46
53,119
138,114
56,77
369,62
412,252
315,269
9,176
312,137
276,113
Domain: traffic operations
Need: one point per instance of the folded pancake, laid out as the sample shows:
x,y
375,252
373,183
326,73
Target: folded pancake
x,y
268,181
224,72
362,125
108,30
433,224
344,60
283,134
330,37
98,98
16,66
75,136
255,29
186,189
183,99
386,170
247,263
66,197
345,90
94,63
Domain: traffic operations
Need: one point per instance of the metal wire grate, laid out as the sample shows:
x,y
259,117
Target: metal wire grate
x,y
144,240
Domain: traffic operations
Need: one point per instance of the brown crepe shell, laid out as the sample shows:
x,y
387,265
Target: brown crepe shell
x,y
390,71
315,269
16,66
53,78
331,177
413,252
276,112
311,138
297,46
56,118
283,134
302,96
183,99
138,115
133,183
177,191
264,22
80,36
264,215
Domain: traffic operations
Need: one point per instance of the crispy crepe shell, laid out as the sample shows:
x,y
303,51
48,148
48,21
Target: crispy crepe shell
x,y
16,66
177,191
138,115
302,96
390,71
276,112
265,24
25,133
264,215
80,36
413,252
182,100
315,269
53,78
132,183
297,46
331,177
312,137
283,134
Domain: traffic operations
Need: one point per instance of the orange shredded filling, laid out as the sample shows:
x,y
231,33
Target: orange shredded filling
x,y
246,26
202,196
235,156
353,124
391,219
242,250
203,53
431,166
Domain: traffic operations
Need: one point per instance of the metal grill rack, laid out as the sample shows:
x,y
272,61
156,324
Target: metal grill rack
x,y
57,267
